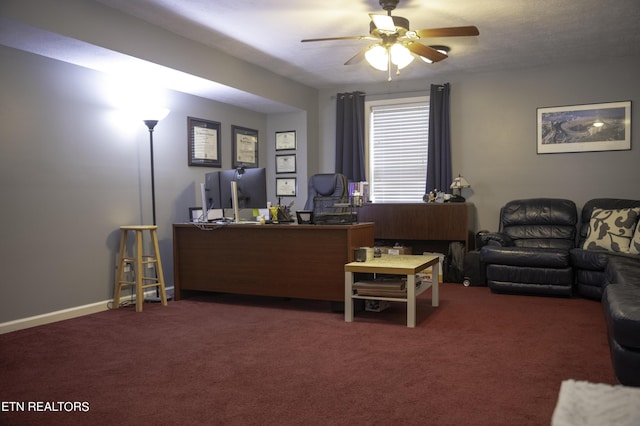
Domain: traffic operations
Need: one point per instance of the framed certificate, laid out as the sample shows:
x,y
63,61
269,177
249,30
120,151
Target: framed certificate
x,y
245,147
286,163
285,140
286,187
204,142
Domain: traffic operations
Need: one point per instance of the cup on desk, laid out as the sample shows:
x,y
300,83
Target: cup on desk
x,y
273,210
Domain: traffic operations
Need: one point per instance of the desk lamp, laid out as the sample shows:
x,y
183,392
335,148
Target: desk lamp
x,y
457,185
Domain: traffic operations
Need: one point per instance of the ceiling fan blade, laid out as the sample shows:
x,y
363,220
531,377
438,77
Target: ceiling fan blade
x,y
383,22
340,38
358,57
425,51
449,32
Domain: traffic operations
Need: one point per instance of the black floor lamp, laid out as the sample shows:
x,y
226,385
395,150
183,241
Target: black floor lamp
x,y
151,124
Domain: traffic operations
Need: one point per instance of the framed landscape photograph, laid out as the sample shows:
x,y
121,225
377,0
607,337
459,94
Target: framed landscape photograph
x,y
286,163
583,128
285,140
203,142
245,146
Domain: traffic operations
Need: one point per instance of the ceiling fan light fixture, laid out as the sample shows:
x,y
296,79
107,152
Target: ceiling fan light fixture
x,y
400,56
398,45
378,57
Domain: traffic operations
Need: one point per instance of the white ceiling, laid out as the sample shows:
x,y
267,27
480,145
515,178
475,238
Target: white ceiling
x,y
513,33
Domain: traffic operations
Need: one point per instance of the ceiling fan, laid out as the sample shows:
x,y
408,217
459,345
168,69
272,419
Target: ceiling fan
x,y
395,42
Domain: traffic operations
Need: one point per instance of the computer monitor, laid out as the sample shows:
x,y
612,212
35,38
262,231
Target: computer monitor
x,y
252,188
212,191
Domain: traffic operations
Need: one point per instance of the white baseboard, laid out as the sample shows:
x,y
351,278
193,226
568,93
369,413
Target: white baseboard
x,y
51,317
48,318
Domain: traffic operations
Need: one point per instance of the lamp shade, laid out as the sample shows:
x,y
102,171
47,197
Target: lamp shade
x,y
459,183
152,116
378,57
400,56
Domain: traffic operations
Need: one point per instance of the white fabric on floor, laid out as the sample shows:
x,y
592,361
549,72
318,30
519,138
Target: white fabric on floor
x,y
596,404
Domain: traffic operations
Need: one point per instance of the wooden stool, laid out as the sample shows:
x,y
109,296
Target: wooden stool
x,y
139,261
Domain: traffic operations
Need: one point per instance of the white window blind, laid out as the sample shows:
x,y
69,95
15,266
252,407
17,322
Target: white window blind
x,y
398,144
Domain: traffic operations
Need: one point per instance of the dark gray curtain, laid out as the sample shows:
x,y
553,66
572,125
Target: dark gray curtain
x,y
350,136
439,156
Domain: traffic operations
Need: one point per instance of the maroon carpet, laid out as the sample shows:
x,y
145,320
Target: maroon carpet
x,y
478,359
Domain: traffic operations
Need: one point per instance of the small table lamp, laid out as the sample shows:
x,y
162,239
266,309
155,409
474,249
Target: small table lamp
x,y
457,185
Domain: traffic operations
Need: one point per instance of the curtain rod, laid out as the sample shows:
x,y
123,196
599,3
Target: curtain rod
x,y
413,92
357,93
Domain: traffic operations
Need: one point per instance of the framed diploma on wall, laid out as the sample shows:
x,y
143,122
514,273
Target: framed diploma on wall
x,y
285,140
203,142
286,163
245,146
286,187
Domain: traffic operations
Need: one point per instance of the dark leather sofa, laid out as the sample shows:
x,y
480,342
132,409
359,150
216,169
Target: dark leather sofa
x,y
535,252
589,265
530,253
621,303
613,276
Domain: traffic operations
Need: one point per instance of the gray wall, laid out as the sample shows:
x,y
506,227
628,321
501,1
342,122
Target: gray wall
x,y
494,132
297,122
74,168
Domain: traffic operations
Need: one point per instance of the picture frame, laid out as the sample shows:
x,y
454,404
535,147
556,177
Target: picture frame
x,y
195,214
203,142
286,187
584,128
286,163
245,146
286,140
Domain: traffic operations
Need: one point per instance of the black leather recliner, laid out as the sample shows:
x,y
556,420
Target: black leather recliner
x,y
530,253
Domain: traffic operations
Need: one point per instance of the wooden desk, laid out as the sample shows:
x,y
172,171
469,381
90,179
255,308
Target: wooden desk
x,y
421,221
288,260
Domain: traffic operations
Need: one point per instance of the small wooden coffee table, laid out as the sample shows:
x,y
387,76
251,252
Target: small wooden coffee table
x,y
408,265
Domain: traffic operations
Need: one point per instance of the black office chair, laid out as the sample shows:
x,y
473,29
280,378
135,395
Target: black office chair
x,y
326,185
326,192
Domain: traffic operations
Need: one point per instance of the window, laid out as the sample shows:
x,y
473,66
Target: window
x,y
398,133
